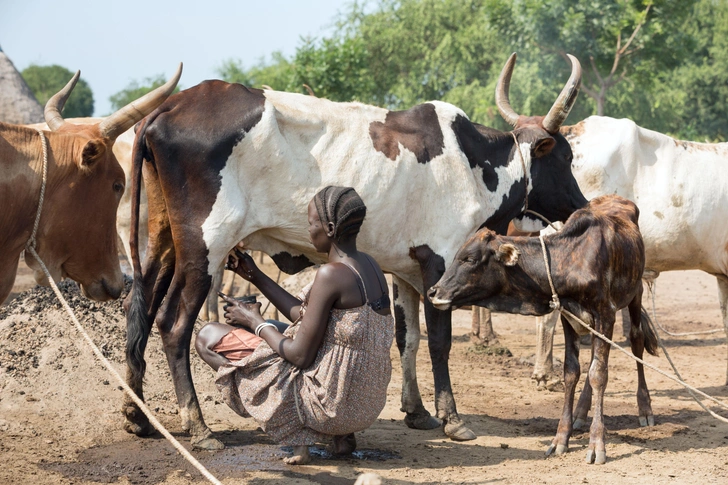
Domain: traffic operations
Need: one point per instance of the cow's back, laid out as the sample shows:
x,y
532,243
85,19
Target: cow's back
x,y
680,187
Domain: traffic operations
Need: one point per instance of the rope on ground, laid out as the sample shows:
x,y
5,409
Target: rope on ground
x,y
651,286
677,379
30,247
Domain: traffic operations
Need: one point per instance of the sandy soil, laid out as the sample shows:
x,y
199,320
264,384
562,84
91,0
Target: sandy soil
x,y
60,420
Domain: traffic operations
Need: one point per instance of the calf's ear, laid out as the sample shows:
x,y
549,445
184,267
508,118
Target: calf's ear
x,y
92,152
507,254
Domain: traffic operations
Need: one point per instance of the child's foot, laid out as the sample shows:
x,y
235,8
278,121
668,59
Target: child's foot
x,y
344,445
300,456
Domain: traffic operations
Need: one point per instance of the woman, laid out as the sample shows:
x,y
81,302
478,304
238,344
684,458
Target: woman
x,y
326,375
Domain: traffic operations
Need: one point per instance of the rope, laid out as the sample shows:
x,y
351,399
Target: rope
x,y
31,241
555,304
651,286
30,246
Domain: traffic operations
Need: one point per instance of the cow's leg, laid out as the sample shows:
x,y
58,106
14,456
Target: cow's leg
x,y
560,443
439,341
176,321
626,322
598,377
723,295
543,371
209,312
637,341
153,283
481,329
407,322
584,403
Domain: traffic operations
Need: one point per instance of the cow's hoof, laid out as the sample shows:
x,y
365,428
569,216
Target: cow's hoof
x,y
596,457
647,421
422,421
579,424
208,444
556,450
136,422
459,432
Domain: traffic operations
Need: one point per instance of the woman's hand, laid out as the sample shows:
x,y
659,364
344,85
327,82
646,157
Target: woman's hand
x,y
237,314
242,264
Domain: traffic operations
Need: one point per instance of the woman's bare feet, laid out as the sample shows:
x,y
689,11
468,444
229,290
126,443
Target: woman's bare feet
x,y
344,445
300,456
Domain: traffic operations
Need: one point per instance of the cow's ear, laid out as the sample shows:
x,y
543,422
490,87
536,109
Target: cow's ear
x,y
92,152
507,254
543,147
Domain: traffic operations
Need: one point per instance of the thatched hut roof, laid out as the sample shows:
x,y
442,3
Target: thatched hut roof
x,y
17,103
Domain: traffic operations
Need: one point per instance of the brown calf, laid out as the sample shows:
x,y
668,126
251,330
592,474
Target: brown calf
x,y
596,263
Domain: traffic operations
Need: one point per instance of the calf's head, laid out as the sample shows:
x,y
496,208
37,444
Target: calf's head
x,y
478,272
77,235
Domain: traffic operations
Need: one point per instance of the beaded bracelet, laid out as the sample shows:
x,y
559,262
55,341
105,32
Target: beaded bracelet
x,y
261,327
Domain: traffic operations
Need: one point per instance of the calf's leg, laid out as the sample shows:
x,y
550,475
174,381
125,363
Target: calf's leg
x,y
407,323
560,443
637,341
598,376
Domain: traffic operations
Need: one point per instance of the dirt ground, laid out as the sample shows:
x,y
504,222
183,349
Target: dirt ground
x,y
60,421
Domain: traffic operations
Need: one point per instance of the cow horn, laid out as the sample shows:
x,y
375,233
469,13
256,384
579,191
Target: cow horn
x,y
561,108
501,92
126,117
54,106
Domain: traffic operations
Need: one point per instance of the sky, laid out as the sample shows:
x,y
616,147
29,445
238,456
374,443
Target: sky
x,y
116,42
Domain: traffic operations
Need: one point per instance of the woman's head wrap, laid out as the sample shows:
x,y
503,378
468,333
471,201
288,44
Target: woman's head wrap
x,y
343,207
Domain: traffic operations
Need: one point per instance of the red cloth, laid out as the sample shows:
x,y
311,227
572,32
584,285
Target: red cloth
x,y
237,344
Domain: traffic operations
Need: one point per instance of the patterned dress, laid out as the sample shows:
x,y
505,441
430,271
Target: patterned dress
x,y
342,392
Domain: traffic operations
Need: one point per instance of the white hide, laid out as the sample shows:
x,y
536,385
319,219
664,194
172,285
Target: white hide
x,y
303,144
680,188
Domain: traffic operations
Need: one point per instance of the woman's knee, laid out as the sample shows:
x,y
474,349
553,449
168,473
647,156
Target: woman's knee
x,y
209,335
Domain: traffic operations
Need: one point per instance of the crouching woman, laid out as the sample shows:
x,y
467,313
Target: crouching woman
x,y
325,376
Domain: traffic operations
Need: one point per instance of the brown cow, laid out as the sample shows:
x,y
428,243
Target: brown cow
x,y
596,263
76,235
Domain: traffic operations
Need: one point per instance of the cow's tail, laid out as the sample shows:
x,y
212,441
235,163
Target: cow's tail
x,y
137,326
648,331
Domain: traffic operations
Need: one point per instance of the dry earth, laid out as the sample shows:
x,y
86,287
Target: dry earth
x,y
60,420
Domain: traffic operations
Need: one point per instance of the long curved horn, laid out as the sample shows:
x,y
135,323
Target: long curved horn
x,y
501,92
54,106
122,120
561,108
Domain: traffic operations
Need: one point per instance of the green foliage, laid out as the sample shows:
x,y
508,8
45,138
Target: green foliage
x,y
662,63
45,81
135,90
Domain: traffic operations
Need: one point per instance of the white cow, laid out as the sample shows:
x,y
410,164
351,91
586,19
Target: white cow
x,y
681,189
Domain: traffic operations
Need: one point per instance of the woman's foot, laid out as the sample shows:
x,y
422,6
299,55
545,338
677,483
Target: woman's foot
x,y
344,444
300,456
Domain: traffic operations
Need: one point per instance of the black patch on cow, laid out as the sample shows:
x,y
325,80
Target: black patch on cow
x,y
416,129
400,328
291,264
483,147
432,264
509,208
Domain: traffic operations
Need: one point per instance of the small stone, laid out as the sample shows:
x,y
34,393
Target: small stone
x,y
504,446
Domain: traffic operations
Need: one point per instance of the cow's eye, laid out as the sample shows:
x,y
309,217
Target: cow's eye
x,y
468,260
118,187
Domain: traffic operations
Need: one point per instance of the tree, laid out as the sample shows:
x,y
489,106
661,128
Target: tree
x,y
45,81
135,90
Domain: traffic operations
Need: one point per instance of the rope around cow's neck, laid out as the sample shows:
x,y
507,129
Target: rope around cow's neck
x,y
526,210
556,305
30,247
30,244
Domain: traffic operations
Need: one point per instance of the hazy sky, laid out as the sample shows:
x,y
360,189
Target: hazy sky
x,y
115,42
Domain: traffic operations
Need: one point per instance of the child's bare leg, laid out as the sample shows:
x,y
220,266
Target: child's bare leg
x,y
300,456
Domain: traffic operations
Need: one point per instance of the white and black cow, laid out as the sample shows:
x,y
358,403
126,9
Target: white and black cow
x,y
230,163
681,188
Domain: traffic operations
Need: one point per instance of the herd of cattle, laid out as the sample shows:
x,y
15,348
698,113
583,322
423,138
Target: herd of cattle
x,y
221,163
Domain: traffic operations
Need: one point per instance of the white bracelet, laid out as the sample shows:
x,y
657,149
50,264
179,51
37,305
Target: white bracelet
x,y
261,327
